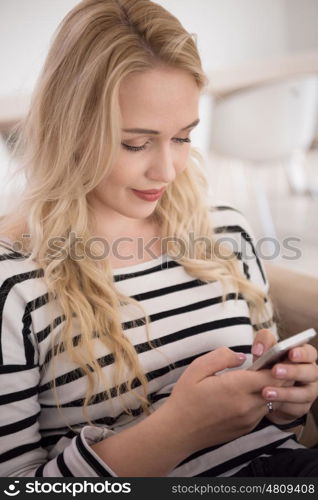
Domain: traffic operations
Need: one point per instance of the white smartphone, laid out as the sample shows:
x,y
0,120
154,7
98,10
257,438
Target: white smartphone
x,y
279,351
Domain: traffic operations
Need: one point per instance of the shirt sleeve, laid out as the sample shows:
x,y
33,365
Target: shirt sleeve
x,y
21,452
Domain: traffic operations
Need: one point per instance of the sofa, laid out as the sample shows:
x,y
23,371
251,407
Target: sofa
x,y
295,299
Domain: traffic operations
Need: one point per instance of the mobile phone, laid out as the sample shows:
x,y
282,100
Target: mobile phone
x,y
279,351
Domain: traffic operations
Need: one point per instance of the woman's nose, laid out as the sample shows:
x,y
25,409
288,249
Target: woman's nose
x,y
163,168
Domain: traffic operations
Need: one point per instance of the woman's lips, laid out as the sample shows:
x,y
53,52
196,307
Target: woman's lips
x,y
151,195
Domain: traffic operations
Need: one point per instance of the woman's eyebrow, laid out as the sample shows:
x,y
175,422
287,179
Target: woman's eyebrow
x,y
156,132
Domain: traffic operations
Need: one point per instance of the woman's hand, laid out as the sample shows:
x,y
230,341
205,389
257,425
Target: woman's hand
x,y
299,381
301,373
207,408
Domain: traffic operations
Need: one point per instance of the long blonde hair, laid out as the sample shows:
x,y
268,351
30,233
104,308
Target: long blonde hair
x,y
66,145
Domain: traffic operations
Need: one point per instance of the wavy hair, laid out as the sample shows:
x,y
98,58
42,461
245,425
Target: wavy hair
x,y
74,123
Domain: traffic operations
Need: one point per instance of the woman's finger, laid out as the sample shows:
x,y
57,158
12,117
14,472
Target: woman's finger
x,y
263,341
304,354
289,410
295,394
300,372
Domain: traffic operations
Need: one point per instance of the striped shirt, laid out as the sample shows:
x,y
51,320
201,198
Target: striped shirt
x,y
187,317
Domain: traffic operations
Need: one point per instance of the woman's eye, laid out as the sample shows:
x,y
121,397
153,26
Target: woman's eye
x,y
133,148
178,140
182,140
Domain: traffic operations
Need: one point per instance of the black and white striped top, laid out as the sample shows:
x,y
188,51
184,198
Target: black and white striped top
x,y
187,316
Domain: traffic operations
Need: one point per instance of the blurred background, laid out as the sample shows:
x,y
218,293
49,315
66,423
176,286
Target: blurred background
x,y
259,116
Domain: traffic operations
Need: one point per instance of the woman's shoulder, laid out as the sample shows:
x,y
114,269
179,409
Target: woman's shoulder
x,y
22,285
226,218
232,227
15,264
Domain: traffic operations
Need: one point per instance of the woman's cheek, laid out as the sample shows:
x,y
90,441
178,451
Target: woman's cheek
x,y
182,165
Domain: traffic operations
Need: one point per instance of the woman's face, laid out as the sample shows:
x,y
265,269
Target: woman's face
x,y
159,109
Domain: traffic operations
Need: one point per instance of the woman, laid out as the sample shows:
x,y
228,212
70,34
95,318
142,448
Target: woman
x,y
118,305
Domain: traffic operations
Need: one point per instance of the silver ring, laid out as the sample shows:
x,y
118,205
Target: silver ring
x,y
269,405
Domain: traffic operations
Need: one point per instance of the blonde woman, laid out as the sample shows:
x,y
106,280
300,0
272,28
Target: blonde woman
x,y
127,323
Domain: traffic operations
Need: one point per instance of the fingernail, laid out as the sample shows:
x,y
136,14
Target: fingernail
x,y
257,349
241,356
280,371
270,394
296,354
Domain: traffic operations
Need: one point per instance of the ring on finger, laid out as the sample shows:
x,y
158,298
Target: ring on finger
x,y
270,407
